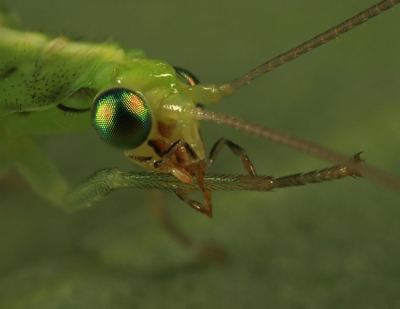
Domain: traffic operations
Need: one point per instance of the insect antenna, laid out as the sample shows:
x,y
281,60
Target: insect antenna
x,y
230,87
299,144
226,89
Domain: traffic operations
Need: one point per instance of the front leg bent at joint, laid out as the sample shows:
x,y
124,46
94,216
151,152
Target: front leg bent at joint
x,y
179,172
205,250
236,150
183,195
167,155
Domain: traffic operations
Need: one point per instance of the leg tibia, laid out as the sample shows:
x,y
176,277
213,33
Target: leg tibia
x,y
236,150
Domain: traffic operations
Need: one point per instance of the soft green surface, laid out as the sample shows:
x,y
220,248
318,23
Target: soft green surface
x,y
332,245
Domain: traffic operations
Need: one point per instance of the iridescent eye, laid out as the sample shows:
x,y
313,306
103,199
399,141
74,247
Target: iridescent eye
x,y
186,77
121,117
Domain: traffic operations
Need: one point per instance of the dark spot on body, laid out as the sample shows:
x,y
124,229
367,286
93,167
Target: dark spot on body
x,y
8,72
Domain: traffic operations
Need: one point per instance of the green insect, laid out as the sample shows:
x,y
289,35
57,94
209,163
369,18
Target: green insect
x,y
145,107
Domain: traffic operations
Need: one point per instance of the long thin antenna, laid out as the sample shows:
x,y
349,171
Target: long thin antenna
x,y
324,37
299,144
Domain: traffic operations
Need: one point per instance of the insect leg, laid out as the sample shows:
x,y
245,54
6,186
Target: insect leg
x,y
172,150
184,176
159,211
34,167
183,195
326,174
236,150
107,180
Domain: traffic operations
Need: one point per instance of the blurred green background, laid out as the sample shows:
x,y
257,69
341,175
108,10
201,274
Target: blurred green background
x,y
331,245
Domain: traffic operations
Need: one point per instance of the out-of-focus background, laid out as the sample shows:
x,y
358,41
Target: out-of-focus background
x,y
327,245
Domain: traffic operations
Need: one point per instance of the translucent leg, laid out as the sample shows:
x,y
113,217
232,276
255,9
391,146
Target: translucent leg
x,y
159,211
11,181
35,168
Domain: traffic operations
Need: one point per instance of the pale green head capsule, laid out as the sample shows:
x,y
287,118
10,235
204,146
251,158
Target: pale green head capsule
x,y
121,118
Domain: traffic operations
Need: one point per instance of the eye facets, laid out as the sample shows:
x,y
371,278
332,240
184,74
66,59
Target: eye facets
x,y
121,117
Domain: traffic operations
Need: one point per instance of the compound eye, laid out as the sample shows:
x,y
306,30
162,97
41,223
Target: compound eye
x,y
121,118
